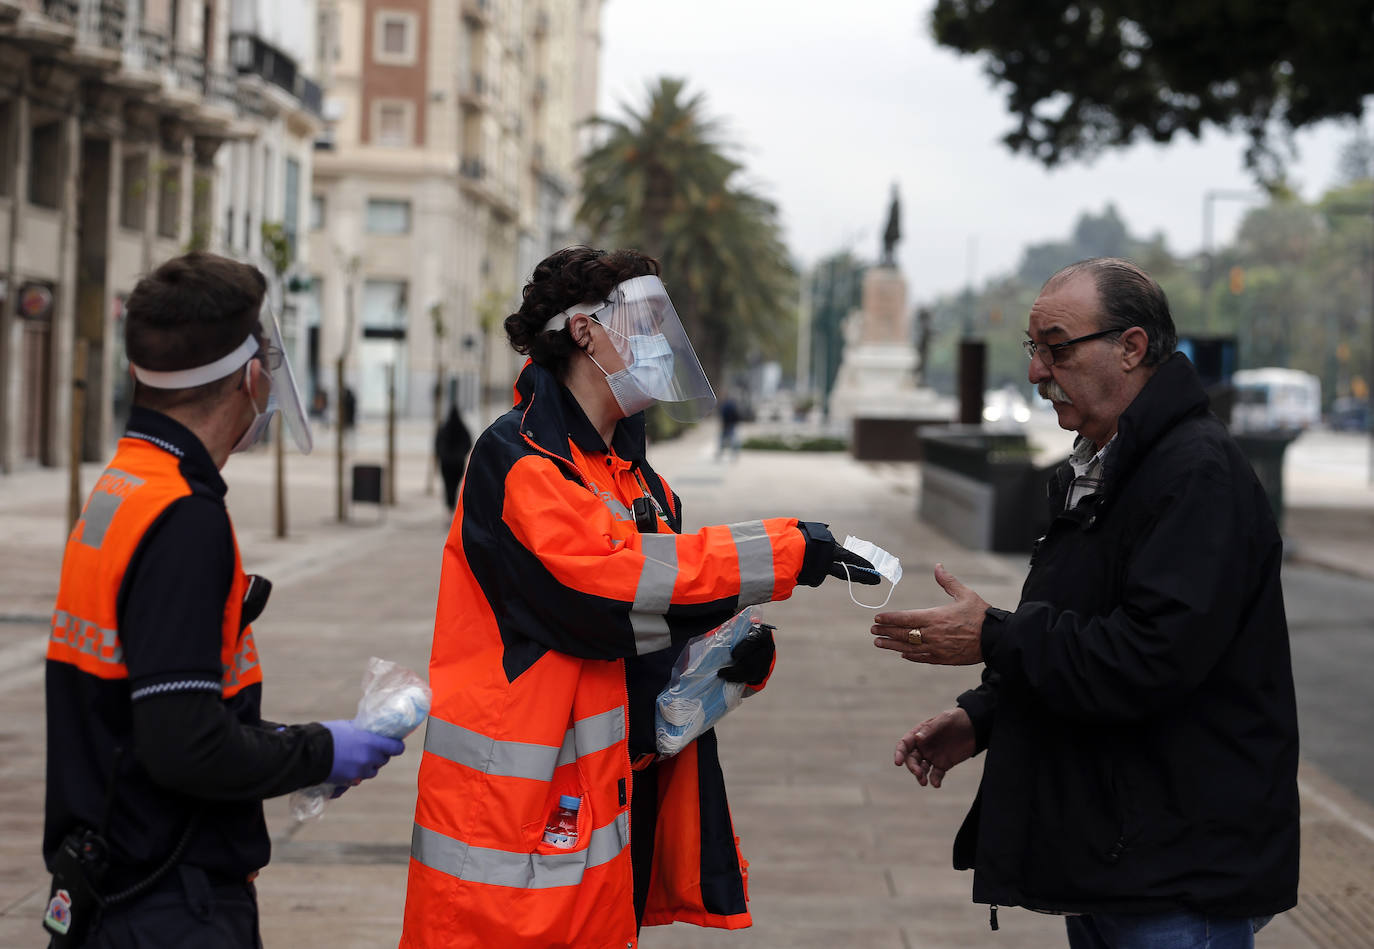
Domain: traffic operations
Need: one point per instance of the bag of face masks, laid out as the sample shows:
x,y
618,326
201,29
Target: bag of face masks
x,y
696,698
395,701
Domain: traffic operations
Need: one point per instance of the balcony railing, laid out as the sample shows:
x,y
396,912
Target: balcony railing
x,y
477,11
101,23
65,12
250,54
188,67
221,89
472,168
311,95
146,51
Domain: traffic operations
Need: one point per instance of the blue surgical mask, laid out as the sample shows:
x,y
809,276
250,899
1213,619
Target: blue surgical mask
x,y
253,433
649,378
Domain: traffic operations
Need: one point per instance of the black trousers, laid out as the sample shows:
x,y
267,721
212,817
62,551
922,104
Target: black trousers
x,y
184,909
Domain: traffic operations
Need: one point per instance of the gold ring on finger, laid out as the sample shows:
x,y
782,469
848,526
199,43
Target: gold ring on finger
x,y
914,637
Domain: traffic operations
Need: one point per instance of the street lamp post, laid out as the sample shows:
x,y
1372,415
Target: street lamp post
x,y
1209,199
1369,385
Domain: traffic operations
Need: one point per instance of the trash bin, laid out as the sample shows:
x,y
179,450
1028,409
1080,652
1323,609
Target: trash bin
x,y
982,488
367,483
1264,451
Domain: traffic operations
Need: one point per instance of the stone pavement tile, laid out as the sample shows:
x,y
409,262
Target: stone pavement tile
x,y
339,907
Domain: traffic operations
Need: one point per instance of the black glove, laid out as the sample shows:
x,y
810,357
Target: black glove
x,y
824,558
752,657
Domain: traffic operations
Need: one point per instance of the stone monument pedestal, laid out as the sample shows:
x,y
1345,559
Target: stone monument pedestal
x,y
877,390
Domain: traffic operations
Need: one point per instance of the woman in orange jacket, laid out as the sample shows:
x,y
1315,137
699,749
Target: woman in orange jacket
x,y
567,593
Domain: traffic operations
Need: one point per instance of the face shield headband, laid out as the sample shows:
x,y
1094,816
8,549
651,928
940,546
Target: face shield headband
x,y
651,341
285,397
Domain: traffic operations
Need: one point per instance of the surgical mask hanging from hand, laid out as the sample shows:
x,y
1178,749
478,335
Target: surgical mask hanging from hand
x,y
888,566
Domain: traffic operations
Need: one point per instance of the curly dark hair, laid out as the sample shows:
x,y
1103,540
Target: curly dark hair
x,y
566,278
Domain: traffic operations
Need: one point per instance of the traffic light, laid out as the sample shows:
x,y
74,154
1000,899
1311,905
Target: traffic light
x,y
1237,280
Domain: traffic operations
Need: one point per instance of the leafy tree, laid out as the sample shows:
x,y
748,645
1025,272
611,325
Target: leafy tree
x,y
1357,159
1102,235
660,181
1100,74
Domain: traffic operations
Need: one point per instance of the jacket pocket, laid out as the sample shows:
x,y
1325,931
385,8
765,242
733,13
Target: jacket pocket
x,y
534,831
1123,810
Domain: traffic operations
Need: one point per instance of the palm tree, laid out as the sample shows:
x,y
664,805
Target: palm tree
x,y
661,182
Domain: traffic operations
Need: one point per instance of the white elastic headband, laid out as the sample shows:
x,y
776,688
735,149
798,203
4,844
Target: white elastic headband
x,y
190,378
558,319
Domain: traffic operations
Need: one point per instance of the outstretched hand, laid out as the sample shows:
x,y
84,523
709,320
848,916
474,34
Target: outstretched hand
x,y
949,635
933,747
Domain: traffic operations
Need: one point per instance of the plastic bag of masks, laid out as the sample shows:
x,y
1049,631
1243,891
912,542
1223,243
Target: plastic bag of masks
x,y
696,698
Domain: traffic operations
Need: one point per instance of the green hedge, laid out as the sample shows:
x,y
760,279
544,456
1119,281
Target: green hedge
x,y
795,443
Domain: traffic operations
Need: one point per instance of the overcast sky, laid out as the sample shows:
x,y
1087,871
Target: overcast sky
x,y
831,102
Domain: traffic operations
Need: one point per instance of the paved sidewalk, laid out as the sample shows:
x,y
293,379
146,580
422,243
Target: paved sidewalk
x,y
845,849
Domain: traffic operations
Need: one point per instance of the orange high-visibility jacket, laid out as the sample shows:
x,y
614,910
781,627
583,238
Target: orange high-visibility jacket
x,y
548,594
141,481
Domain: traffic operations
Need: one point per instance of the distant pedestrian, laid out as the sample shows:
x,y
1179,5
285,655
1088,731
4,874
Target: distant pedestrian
x,y
729,428
451,444
158,756
1137,707
348,409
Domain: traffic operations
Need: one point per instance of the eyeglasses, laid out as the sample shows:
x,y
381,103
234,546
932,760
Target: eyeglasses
x,y
1046,351
271,357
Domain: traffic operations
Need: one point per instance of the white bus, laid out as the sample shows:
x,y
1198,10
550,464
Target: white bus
x,y
1275,399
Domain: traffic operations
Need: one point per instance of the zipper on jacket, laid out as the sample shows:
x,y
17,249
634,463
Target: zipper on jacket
x,y
992,917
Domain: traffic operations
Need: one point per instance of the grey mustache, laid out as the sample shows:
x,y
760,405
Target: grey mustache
x,y
1051,390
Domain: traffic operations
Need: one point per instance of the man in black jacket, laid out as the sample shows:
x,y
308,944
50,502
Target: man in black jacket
x,y
1137,706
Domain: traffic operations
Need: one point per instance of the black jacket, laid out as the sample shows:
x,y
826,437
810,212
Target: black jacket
x,y
1137,708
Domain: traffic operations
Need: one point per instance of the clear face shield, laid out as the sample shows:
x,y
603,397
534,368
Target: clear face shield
x,y
660,363
286,395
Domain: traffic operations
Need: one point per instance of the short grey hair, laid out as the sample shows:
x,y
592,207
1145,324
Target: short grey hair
x,y
1130,297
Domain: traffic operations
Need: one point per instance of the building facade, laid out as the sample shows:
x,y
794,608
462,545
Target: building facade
x,y
450,170
132,131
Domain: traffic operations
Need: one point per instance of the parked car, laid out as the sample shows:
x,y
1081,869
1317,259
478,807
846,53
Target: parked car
x,y
1274,399
1349,414
1005,407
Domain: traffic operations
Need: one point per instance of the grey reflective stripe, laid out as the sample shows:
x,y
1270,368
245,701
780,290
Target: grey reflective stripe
x,y
755,550
651,632
522,759
527,871
598,732
618,511
102,505
654,594
85,636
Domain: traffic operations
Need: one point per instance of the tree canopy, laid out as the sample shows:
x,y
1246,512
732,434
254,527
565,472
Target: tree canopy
x,y
660,181
1086,76
1294,288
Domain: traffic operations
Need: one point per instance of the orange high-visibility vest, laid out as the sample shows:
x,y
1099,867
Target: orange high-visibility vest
x,y
139,484
546,587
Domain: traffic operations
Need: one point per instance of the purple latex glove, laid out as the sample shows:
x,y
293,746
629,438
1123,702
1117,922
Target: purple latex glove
x,y
358,754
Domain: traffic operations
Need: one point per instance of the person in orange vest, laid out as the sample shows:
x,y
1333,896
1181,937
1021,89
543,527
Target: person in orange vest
x,y
158,758
544,814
